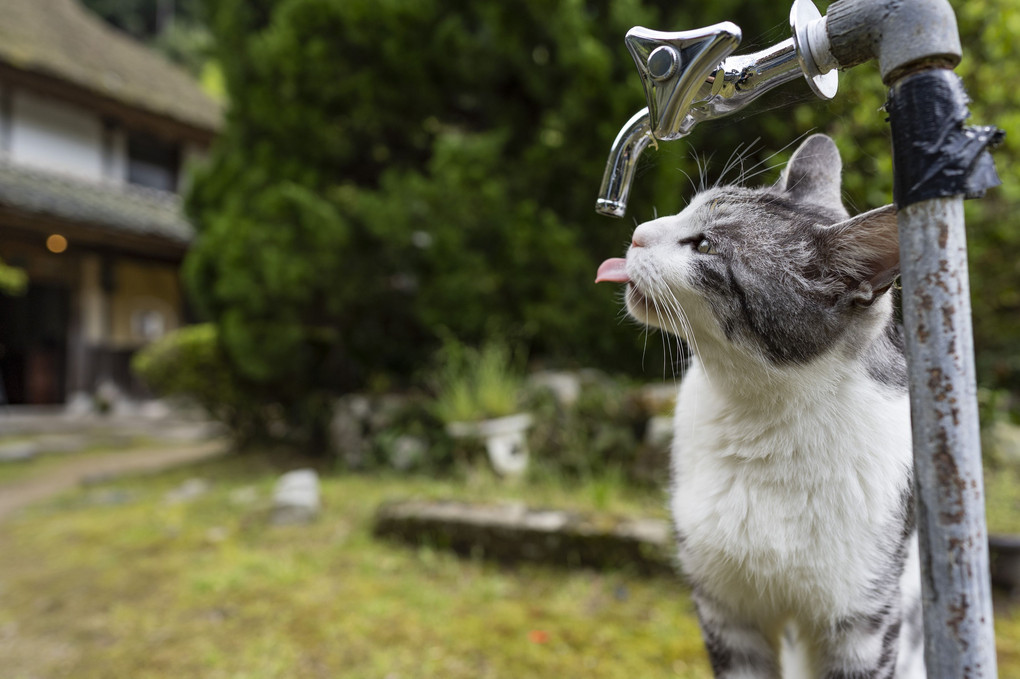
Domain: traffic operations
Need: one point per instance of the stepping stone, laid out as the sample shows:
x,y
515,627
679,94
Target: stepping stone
x,y
187,491
296,498
18,451
514,533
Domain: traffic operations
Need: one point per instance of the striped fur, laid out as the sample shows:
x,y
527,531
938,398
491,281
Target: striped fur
x,y
792,486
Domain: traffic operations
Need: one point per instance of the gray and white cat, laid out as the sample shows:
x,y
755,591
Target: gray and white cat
x,y
792,488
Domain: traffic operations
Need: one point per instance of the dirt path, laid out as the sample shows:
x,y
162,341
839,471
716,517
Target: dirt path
x,y
15,496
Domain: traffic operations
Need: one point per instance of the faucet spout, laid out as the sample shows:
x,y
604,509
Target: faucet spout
x,y
623,157
689,77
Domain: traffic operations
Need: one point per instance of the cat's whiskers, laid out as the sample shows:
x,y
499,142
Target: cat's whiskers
x,y
702,168
674,337
688,328
656,307
680,324
694,186
736,158
692,341
744,175
644,348
664,317
667,346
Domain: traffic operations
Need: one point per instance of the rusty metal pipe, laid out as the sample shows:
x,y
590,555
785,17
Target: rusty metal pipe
x,y
914,40
959,637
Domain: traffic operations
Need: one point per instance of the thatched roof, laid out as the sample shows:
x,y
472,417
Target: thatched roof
x,y
61,39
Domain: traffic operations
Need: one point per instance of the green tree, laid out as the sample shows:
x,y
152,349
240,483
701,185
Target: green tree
x,y
146,19
176,28
392,167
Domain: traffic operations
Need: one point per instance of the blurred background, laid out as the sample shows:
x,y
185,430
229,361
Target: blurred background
x,y
336,187
318,233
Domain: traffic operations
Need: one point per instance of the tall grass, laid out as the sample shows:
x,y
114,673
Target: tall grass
x,y
477,383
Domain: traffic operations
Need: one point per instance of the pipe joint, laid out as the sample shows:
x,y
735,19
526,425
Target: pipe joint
x,y
903,35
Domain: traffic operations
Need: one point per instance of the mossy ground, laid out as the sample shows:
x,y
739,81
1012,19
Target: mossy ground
x,y
1002,500
207,588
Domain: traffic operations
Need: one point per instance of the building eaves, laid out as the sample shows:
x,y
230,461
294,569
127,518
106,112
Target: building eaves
x,y
116,208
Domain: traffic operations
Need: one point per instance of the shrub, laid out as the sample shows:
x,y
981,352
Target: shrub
x,y
601,435
476,384
189,363
13,281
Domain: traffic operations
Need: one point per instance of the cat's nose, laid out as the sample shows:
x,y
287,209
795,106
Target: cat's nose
x,y
637,242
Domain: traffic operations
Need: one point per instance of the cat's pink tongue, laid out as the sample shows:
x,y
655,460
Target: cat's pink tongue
x,y
613,271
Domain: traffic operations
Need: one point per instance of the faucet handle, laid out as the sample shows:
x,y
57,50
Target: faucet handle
x,y
676,66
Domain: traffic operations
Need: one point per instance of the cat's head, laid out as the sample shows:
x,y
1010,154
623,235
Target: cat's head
x,y
780,272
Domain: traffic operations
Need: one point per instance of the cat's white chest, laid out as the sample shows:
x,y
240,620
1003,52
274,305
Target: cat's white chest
x,y
785,510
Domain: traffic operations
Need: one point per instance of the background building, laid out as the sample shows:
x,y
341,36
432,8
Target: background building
x,y
96,135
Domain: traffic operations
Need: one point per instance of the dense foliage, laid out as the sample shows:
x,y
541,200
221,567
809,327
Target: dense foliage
x,y
395,169
13,281
174,27
146,19
189,363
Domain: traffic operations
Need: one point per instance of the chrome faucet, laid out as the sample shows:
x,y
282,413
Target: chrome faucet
x,y
689,77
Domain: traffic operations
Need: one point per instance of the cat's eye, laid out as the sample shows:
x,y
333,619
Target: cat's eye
x,y
705,247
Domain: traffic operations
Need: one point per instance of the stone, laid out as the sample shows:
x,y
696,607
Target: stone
x,y
564,386
62,443
384,409
18,451
187,491
511,532
348,427
154,409
188,432
108,397
407,452
243,496
659,432
296,497
80,404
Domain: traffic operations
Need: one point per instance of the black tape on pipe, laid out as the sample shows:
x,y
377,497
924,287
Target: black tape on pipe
x,y
934,154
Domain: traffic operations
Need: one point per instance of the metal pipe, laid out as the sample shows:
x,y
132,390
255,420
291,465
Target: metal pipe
x,y
900,35
908,40
623,157
959,637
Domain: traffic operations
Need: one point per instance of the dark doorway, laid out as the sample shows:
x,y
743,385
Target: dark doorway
x,y
33,345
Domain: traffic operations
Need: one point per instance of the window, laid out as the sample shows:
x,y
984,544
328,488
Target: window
x,y
152,162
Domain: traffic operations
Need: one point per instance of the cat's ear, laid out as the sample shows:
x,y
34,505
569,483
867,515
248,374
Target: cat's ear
x,y
866,250
813,173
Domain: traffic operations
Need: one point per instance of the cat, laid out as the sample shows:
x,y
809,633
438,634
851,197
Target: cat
x,y
791,463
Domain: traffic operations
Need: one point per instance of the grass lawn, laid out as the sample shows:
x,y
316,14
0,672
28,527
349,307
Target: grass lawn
x,y
1002,501
205,588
